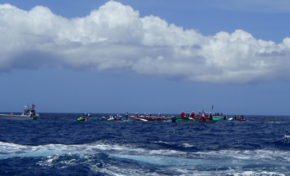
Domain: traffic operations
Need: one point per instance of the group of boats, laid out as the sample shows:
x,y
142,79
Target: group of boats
x,y
29,113
201,117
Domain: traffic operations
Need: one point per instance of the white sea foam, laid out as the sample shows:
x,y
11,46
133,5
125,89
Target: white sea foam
x,y
187,145
8,150
182,171
232,162
258,173
117,171
247,154
13,150
231,173
160,160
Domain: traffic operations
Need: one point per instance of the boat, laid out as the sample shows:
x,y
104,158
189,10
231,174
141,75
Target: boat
x,y
236,118
146,118
18,117
82,118
29,113
87,117
198,118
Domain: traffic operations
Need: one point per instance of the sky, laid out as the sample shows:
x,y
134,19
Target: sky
x,y
135,56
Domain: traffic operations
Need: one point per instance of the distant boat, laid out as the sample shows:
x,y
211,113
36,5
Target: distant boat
x,y
18,117
29,113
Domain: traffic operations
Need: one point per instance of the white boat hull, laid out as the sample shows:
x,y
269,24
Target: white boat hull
x,y
17,117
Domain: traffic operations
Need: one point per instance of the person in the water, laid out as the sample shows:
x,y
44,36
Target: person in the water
x,y
192,115
203,117
210,117
182,115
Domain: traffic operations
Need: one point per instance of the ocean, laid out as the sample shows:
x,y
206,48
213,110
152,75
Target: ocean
x,y
57,144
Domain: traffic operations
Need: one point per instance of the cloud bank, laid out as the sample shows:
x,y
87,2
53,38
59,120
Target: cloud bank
x,y
116,37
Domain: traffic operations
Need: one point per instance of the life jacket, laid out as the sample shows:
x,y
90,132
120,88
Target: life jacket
x,y
182,115
203,117
210,117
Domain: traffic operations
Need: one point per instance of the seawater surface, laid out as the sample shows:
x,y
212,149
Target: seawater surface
x,y
57,144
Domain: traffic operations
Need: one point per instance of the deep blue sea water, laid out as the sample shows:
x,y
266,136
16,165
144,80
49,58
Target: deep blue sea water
x,y
57,144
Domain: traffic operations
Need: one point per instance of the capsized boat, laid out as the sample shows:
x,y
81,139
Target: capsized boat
x,y
114,117
150,117
236,118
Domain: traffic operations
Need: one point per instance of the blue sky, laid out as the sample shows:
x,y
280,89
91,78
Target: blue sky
x,y
149,56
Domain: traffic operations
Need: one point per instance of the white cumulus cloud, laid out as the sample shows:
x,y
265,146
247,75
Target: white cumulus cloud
x,y
116,37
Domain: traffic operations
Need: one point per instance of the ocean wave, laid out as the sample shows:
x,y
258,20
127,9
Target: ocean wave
x,y
62,146
115,158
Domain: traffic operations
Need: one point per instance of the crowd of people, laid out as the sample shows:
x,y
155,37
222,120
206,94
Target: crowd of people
x,y
203,116
199,116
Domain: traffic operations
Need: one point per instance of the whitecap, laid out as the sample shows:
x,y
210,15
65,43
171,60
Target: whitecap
x,y
240,161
